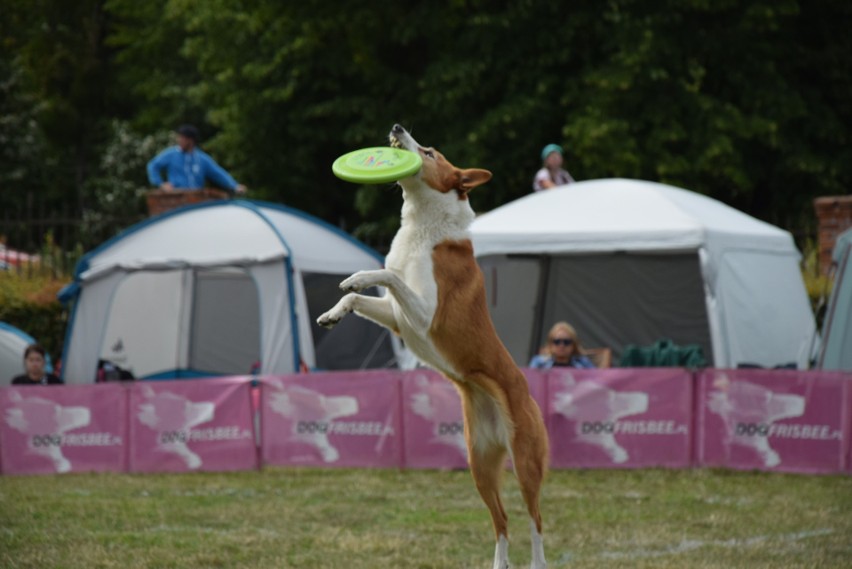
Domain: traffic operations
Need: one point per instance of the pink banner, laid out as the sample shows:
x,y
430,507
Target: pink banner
x,y
847,417
347,419
432,416
57,429
179,426
538,384
620,418
772,420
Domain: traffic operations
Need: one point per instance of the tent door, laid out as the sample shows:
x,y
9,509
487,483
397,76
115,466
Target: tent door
x,y
629,298
225,322
611,299
142,331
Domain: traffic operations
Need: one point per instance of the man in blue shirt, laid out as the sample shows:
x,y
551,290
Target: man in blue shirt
x,y
187,166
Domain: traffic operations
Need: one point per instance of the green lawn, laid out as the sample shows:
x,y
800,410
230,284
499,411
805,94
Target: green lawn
x,y
374,519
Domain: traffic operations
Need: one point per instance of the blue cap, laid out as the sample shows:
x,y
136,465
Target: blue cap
x,y
547,150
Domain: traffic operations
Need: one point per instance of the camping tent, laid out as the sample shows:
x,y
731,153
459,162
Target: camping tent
x,y
632,262
222,287
13,342
836,352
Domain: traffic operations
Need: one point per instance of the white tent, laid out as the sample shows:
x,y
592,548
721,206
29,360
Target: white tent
x,y
836,351
632,262
219,288
13,342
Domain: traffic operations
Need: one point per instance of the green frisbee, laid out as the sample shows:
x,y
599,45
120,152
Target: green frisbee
x,y
376,165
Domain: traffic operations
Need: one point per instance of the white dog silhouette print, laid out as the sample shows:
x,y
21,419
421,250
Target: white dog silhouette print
x,y
749,410
312,415
438,403
45,422
172,416
596,408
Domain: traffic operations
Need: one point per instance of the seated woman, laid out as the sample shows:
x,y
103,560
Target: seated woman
x,y
563,349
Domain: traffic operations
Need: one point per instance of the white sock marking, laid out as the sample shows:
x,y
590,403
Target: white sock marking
x,y
538,561
501,553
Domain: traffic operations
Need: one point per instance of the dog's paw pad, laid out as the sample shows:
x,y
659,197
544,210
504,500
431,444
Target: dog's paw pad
x,y
352,284
333,316
327,321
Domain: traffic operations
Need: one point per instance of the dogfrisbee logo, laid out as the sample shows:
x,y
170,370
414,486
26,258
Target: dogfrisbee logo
x,y
191,425
438,403
753,415
173,418
313,417
47,424
596,411
334,419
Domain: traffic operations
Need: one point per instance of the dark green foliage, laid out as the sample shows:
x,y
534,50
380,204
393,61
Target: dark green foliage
x,y
43,321
745,101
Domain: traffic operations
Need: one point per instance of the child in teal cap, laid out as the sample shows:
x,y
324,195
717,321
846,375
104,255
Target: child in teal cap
x,y
551,174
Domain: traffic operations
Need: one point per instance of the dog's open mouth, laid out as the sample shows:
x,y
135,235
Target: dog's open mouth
x,y
394,141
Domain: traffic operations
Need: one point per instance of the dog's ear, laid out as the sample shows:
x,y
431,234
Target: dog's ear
x,y
472,177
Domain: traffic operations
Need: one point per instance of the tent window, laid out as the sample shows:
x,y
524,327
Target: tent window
x,y
225,336
355,343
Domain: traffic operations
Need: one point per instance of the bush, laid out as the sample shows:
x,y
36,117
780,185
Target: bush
x,y
28,302
817,284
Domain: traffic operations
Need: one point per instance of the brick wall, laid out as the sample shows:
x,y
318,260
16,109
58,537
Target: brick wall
x,y
834,216
160,201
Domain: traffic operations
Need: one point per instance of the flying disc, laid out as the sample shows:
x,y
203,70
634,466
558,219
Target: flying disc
x,y
376,165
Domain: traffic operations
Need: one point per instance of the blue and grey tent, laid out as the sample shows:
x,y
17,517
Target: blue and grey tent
x,y
223,287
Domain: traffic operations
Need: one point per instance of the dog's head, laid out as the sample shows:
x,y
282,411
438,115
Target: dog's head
x,y
437,172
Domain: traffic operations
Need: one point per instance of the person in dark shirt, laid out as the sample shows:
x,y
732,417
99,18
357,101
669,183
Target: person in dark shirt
x,y
34,364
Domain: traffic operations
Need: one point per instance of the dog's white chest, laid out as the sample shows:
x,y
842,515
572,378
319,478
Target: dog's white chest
x,y
411,259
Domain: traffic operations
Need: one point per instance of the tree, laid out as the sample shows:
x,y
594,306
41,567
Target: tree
x,y
710,97
58,102
746,101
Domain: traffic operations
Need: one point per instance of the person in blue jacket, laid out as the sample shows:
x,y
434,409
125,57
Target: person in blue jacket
x,y
187,167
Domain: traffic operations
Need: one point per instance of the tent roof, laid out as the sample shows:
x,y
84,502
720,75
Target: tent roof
x,y
235,232
620,214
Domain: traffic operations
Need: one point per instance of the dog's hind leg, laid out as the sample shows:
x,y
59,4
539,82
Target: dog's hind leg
x,y
486,466
538,560
530,455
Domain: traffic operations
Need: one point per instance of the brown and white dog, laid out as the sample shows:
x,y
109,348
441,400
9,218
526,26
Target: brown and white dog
x,y
436,303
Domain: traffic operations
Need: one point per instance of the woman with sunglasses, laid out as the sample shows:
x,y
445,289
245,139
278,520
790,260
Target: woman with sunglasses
x,y
563,349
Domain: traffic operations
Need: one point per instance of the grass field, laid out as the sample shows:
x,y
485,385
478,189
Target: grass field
x,y
372,519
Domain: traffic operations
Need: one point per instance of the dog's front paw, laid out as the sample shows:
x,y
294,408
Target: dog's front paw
x,y
332,317
361,280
